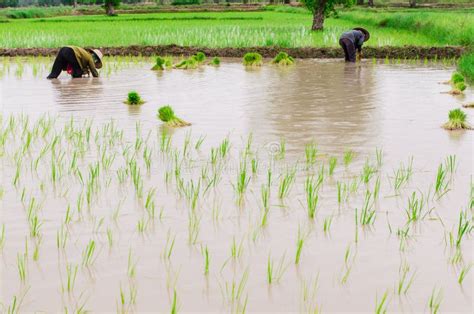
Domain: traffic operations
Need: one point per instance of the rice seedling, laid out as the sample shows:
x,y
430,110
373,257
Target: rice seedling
x,y
441,185
435,300
457,120
187,64
348,157
405,279
332,165
215,61
252,59
275,272
88,256
265,195
233,292
254,163
456,77
61,238
403,174
379,156
131,265
300,240
162,63
206,261
71,274
349,260
415,207
134,99
236,249
381,306
110,237
367,214
464,227
312,196
174,304
242,183
367,172
286,182
167,115
282,58
450,164
199,142
169,246
327,224
309,290
194,227
22,264
310,153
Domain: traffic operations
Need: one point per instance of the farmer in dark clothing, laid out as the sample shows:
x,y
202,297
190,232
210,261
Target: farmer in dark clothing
x,y
76,61
352,40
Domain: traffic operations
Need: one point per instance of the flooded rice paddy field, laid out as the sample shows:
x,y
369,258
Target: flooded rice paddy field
x,y
324,186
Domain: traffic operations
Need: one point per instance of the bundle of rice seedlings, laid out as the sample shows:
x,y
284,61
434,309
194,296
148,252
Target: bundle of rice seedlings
x,y
469,105
456,78
162,63
134,99
457,120
200,57
282,58
166,114
187,64
216,61
253,59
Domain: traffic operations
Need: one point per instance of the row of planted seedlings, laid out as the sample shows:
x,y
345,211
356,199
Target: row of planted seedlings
x,y
80,165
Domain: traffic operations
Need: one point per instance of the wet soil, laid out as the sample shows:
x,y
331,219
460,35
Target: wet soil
x,y
407,52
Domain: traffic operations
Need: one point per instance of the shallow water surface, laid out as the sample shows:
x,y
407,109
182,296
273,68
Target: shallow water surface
x,y
396,109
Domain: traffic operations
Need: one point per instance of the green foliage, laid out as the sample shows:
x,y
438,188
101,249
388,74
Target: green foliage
x,y
457,120
160,64
185,2
282,58
456,78
466,66
200,57
134,99
460,86
167,115
186,64
216,61
252,59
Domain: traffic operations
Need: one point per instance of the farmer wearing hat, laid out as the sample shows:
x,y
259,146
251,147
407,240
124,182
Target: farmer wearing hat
x,y
352,40
77,62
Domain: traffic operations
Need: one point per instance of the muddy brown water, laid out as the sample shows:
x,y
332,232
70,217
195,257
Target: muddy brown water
x,y
398,108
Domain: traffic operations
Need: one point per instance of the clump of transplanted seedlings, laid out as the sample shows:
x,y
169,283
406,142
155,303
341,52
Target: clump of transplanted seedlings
x,y
167,115
192,62
282,58
187,64
457,120
134,99
468,105
458,83
215,61
162,63
252,59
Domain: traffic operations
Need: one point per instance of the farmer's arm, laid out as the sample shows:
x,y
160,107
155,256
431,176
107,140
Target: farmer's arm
x,y
359,42
92,68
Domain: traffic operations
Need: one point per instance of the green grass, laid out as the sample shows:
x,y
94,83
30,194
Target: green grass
x,y
466,66
239,29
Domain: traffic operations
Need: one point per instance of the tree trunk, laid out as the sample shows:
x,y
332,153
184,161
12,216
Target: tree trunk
x,y
318,16
360,2
371,3
287,2
412,3
109,9
74,4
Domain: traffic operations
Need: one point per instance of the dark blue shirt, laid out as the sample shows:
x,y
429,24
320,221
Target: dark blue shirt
x,y
357,37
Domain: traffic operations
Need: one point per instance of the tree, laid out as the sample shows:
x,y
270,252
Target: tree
x,y
320,10
371,3
412,3
110,6
360,2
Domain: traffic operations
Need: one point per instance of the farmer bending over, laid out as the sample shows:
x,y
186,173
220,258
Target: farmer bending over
x,y
77,62
352,40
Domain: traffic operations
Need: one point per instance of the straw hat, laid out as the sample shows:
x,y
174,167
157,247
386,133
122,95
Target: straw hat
x,y
363,30
99,55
